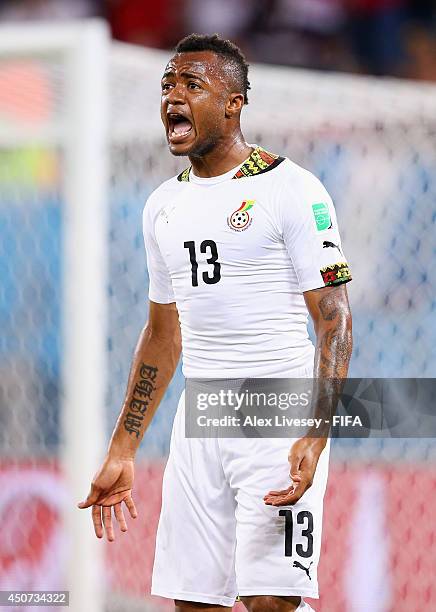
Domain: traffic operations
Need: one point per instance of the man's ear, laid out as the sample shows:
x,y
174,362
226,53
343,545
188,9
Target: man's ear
x,y
234,105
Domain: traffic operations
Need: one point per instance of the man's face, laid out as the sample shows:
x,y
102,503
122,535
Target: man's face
x,y
194,96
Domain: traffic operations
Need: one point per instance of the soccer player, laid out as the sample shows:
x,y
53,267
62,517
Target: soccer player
x,y
240,247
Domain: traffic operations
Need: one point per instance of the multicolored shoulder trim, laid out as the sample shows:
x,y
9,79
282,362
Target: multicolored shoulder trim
x,y
336,274
184,176
260,161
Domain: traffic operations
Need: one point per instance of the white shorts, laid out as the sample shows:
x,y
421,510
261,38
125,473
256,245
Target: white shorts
x,y
217,538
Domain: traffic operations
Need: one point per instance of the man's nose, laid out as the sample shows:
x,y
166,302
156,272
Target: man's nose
x,y
176,95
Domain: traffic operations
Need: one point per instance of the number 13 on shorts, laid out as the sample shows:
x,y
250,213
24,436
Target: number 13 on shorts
x,y
305,519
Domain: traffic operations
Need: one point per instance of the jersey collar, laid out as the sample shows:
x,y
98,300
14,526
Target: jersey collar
x,y
260,161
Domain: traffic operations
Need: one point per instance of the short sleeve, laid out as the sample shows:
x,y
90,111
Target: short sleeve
x,y
311,234
160,287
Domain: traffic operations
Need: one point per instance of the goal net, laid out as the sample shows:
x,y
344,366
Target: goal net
x,y
81,148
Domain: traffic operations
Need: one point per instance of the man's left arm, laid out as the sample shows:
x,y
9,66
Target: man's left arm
x,y
330,312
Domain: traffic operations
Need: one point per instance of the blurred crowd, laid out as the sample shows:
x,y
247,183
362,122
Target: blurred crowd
x,y
381,37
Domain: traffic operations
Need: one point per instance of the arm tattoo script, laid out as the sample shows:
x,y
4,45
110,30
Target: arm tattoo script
x,y
142,396
333,350
334,344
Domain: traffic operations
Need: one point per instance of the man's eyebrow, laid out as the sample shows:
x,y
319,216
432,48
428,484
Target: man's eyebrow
x,y
193,75
187,75
167,73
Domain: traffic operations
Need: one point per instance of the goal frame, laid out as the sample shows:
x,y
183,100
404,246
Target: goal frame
x,y
84,48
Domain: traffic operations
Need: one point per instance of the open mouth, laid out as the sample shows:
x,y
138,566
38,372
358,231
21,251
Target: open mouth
x,y
178,126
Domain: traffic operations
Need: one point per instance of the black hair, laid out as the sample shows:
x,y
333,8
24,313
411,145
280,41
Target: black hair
x,y
222,47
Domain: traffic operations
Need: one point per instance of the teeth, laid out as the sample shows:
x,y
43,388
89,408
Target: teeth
x,y
173,133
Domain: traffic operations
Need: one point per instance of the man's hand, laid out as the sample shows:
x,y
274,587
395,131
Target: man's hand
x,y
303,458
112,485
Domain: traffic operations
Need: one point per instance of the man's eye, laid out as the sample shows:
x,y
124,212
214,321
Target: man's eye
x,y
193,85
166,86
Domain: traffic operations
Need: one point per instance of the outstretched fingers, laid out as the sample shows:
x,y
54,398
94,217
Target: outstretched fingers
x,y
119,515
131,506
96,519
107,522
279,498
102,517
290,495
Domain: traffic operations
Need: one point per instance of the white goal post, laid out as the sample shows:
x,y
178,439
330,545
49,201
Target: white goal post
x,y
81,133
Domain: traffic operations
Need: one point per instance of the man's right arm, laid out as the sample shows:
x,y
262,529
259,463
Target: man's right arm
x,y
155,360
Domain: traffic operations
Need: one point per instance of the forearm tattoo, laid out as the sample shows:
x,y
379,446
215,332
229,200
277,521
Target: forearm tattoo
x,y
142,396
334,344
333,352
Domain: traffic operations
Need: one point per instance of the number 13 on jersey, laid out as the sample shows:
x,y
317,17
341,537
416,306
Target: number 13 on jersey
x,y
205,246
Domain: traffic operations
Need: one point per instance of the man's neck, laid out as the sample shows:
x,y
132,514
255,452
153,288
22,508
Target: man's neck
x,y
222,158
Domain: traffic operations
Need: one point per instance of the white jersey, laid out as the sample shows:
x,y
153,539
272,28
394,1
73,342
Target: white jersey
x,y
236,252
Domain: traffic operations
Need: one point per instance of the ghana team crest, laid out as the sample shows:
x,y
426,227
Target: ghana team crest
x,y
240,220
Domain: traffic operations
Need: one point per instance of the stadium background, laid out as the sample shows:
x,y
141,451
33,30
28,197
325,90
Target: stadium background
x,y
372,143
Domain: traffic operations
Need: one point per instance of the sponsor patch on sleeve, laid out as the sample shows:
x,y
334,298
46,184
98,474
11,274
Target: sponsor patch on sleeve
x,y
322,217
336,274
